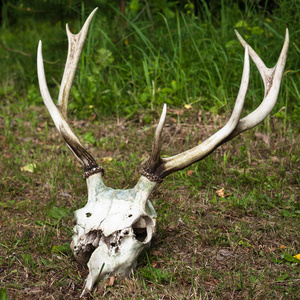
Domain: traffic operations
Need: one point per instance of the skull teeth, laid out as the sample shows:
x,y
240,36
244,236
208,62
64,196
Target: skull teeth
x,y
96,242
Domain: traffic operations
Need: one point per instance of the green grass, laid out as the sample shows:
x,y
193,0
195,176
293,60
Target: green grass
x,y
206,246
183,59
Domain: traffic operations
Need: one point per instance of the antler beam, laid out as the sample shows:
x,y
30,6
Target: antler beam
x,y
158,168
59,112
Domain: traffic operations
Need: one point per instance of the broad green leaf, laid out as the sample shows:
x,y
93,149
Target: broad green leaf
x,y
28,168
241,23
283,277
288,257
57,212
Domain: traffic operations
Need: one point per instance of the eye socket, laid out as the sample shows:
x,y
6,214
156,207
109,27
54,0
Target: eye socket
x,y
140,234
88,215
140,229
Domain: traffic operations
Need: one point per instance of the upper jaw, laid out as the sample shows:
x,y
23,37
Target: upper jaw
x,y
115,255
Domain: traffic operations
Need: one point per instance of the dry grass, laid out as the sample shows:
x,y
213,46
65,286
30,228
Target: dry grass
x,y
206,246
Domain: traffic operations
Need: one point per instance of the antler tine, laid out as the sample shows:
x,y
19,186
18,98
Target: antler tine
x,y
271,78
154,159
76,43
59,113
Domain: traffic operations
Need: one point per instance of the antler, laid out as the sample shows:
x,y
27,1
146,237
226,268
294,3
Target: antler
x,y
59,112
157,168
116,225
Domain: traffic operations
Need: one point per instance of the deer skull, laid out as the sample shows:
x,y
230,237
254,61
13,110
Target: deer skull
x,y
113,228
116,225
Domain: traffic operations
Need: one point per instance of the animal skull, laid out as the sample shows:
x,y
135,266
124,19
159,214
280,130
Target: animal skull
x,y
116,225
113,228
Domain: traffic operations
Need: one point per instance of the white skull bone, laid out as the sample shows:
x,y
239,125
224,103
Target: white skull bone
x,y
112,228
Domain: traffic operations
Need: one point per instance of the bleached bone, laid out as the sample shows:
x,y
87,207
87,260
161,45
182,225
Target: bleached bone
x,y
116,225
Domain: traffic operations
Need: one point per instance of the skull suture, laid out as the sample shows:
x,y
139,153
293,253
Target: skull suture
x,y
113,228
116,225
